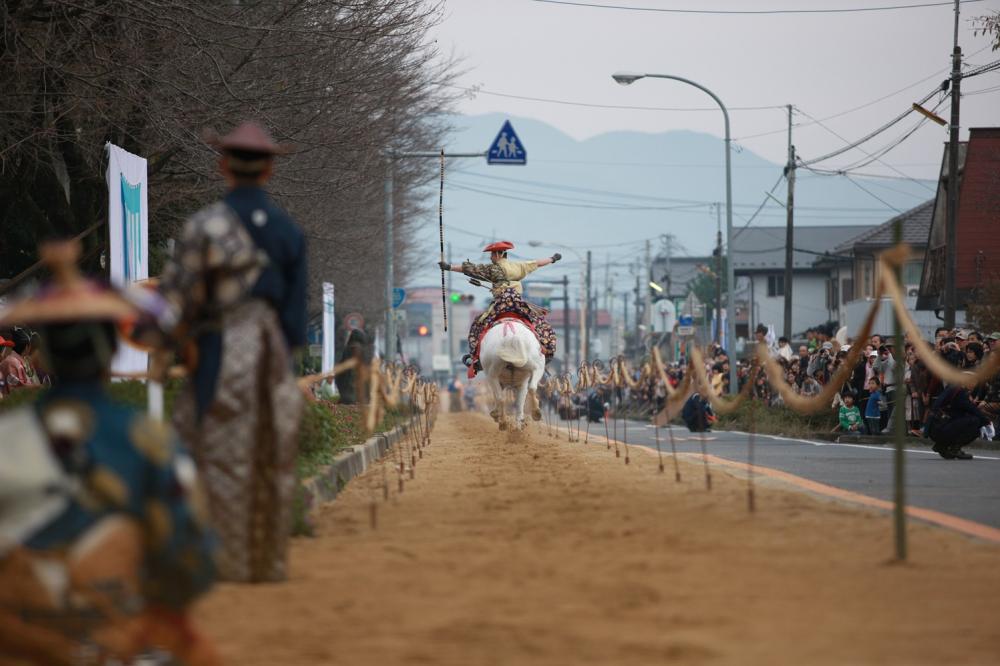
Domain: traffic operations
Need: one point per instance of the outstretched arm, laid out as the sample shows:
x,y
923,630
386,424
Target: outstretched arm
x,y
548,260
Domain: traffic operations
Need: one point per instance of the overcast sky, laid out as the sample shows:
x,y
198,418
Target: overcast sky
x,y
824,64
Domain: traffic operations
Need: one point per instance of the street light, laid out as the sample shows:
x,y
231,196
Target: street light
x,y
627,78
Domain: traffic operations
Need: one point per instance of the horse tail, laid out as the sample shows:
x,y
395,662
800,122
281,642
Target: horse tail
x,y
514,350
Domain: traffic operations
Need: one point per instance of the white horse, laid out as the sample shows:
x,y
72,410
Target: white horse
x,y
512,359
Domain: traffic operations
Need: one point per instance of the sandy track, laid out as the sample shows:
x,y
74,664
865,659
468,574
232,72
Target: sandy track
x,y
544,552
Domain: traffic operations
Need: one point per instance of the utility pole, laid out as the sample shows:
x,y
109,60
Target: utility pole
x,y
451,329
586,317
638,317
718,276
565,284
951,217
647,301
789,232
625,315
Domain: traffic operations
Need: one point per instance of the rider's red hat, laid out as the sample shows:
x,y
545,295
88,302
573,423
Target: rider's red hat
x,y
499,246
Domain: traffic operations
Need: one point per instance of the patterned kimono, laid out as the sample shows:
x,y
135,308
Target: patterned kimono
x,y
505,277
236,284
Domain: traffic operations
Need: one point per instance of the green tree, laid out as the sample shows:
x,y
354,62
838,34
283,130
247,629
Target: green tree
x,y
703,286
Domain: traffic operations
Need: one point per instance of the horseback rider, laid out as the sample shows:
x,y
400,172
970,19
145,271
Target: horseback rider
x,y
505,277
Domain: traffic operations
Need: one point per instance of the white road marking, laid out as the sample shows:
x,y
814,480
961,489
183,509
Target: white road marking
x,y
856,446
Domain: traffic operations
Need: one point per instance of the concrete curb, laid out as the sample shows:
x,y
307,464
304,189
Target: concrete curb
x,y
350,463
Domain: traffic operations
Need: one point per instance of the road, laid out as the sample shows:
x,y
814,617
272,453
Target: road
x,y
968,489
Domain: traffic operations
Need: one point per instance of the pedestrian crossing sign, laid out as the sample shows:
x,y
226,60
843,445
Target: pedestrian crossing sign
x,y
507,147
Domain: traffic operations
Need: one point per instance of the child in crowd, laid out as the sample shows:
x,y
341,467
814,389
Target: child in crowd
x,y
850,415
873,410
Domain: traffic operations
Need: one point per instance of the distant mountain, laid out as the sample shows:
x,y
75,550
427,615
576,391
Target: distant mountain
x,y
626,186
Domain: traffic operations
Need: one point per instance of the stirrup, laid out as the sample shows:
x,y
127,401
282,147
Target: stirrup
x,y
467,360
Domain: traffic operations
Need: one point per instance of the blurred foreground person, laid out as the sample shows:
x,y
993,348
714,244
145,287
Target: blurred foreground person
x,y
103,537
236,288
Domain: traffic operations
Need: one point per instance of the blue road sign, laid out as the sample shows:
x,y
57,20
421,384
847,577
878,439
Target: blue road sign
x,y
685,320
398,296
507,147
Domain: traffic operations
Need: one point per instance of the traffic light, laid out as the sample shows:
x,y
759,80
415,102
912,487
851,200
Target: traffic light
x,y
423,330
462,298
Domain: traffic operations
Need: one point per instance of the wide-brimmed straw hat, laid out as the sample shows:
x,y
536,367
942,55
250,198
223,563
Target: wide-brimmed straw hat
x,y
69,297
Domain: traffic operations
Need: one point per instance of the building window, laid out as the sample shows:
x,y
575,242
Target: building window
x,y
832,294
912,271
775,285
866,279
847,293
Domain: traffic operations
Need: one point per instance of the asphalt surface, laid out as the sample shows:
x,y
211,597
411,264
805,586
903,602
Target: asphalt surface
x,y
969,489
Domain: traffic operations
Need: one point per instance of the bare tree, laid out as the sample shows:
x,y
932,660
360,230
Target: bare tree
x,y
342,81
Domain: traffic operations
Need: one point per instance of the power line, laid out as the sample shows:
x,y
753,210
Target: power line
x,y
910,178
851,145
565,204
666,10
645,197
760,207
861,106
548,100
870,193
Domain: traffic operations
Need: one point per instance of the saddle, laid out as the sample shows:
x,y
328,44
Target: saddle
x,y
474,365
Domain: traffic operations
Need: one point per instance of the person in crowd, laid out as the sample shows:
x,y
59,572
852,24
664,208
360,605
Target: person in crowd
x,y
940,333
873,408
105,541
697,413
5,347
885,368
849,414
973,354
955,420
235,287
598,400
13,369
812,342
916,387
356,347
784,349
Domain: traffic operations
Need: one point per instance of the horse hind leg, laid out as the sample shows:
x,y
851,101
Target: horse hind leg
x,y
533,405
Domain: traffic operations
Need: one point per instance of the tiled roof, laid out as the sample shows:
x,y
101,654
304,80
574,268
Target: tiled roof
x,y
916,227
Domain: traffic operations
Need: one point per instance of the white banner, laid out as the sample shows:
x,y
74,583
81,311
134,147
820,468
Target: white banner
x,y
128,234
329,329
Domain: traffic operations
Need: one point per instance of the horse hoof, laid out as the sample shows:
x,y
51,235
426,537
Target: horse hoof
x,y
495,414
536,415
503,425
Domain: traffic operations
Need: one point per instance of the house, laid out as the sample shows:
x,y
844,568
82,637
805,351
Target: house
x,y
853,268
759,267
977,227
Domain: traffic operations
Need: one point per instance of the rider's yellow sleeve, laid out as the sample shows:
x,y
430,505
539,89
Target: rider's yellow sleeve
x,y
518,270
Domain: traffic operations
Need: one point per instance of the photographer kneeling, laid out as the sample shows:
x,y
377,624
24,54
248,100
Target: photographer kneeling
x,y
954,419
